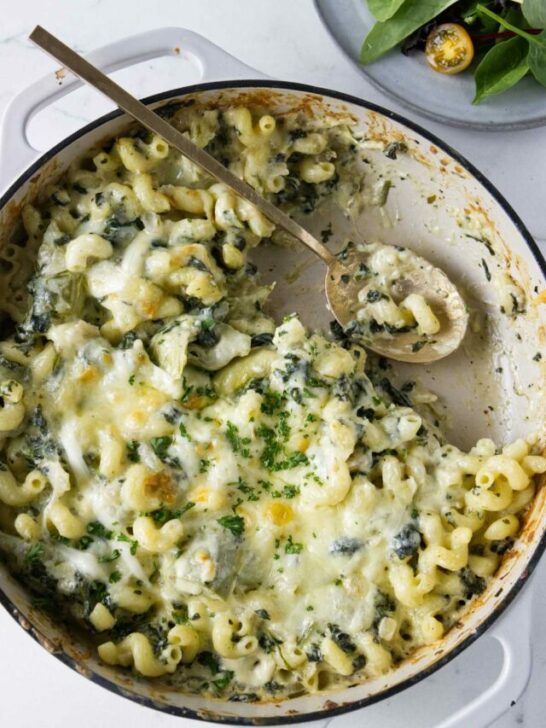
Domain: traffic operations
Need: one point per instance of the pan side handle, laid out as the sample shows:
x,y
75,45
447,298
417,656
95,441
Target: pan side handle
x,y
213,63
513,632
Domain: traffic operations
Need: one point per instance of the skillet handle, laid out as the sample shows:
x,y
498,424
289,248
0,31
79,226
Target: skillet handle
x,y
513,632
16,152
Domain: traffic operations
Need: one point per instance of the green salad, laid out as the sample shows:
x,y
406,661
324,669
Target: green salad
x,y
499,41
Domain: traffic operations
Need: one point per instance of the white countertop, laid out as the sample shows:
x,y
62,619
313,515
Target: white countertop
x,y
283,38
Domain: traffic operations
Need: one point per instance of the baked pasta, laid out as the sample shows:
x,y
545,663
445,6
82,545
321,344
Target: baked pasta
x,y
244,507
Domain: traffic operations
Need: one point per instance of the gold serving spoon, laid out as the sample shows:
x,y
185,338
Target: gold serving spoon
x,y
343,280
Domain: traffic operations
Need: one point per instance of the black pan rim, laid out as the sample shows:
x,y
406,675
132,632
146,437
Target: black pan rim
x,y
539,548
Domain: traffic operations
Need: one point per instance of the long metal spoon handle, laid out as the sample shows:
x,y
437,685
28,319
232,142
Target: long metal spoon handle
x,y
148,118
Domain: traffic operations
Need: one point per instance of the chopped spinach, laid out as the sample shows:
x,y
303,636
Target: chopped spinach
x,y
342,639
472,583
395,394
346,545
261,340
207,659
95,528
407,541
132,451
220,683
394,148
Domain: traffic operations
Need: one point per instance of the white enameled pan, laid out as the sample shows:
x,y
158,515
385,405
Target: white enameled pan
x,y
480,400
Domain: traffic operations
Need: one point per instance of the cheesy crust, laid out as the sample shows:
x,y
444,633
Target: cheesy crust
x,y
244,506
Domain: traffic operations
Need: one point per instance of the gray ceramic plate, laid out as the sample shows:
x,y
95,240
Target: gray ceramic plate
x,y
410,81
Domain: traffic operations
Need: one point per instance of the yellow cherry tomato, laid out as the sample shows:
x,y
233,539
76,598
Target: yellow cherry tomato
x,y
449,48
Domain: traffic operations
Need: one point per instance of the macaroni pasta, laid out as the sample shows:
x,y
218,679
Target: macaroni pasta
x,y
246,508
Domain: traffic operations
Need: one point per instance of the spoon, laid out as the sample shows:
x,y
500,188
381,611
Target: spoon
x,y
342,282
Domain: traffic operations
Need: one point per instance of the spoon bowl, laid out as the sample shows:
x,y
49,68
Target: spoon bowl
x,y
344,281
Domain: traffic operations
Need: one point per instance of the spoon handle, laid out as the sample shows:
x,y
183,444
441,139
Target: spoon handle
x,y
152,121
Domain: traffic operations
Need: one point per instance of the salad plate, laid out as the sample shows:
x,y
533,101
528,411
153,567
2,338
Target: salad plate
x,y
410,80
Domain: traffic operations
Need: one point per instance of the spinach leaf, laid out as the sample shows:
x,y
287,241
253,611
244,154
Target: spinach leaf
x,y
537,45
346,545
207,659
501,67
537,58
342,639
505,23
409,17
384,9
535,13
472,583
95,528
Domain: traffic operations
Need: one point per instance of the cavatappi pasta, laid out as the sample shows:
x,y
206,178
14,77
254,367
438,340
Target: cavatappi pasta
x,y
379,311
245,508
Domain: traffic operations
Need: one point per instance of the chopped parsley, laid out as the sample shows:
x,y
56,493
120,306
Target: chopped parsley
x,y
238,444
273,456
108,558
132,451
83,543
191,394
95,528
235,524
160,445
180,615
34,553
127,539
246,489
288,491
164,514
183,431
291,547
272,402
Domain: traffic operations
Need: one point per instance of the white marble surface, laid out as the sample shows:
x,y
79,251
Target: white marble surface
x,y
285,39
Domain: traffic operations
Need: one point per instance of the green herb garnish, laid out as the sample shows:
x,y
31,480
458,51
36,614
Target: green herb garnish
x,y
291,547
235,524
160,445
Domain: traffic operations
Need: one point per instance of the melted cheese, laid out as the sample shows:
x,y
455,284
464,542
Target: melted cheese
x,y
321,525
